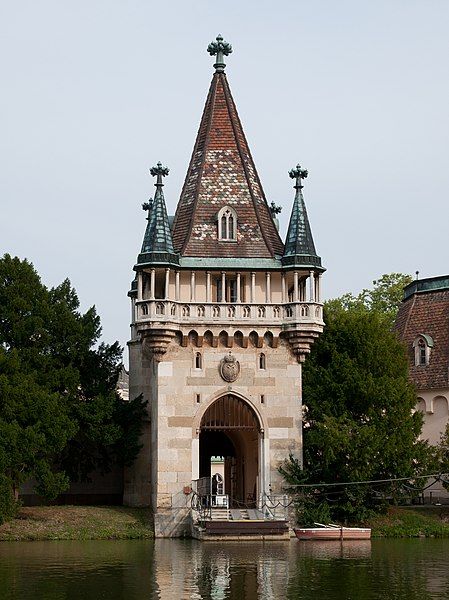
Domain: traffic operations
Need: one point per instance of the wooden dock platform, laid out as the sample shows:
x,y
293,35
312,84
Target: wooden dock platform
x,y
237,524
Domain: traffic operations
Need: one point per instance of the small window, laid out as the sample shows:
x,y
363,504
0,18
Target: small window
x,y
197,398
227,224
224,228
262,399
422,352
262,361
422,345
198,360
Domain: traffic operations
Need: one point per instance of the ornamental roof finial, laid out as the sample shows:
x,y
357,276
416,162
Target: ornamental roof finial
x,y
160,172
299,174
221,49
147,206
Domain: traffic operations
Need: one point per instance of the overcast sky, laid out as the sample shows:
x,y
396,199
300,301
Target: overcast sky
x,y
94,93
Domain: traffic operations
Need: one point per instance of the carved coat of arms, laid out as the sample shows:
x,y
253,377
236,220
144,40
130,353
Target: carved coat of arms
x,y
229,368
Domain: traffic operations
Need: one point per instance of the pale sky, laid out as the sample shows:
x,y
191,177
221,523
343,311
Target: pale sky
x,y
95,92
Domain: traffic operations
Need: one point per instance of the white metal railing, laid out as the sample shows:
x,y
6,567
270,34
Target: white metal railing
x,y
210,312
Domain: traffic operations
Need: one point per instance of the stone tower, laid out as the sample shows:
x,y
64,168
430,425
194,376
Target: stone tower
x,y
223,315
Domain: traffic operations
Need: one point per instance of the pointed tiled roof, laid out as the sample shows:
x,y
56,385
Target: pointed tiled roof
x,y
222,173
299,246
424,311
157,244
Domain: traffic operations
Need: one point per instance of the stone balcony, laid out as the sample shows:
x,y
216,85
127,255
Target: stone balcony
x,y
194,314
156,323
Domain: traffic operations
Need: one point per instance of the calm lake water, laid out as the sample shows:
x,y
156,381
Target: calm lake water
x,y
177,569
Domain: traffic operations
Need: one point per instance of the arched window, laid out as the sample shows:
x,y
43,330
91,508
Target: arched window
x,y
262,361
231,226
198,361
227,224
422,345
422,352
224,228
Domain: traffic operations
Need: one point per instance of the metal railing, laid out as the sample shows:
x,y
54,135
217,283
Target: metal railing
x,y
272,506
204,505
275,506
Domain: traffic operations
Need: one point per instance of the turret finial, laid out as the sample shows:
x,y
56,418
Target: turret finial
x,y
299,174
160,172
147,207
221,49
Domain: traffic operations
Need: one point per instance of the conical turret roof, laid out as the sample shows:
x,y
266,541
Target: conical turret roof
x,y
299,245
222,174
157,246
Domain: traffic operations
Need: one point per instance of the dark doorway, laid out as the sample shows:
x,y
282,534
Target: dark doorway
x,y
230,428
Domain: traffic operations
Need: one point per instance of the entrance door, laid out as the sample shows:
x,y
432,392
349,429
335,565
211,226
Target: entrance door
x,y
230,428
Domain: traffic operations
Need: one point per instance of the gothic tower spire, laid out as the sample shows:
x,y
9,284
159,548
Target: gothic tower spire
x,y
299,246
157,244
222,175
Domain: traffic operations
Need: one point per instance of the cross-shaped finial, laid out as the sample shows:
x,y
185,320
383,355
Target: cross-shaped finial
x,y
299,174
221,49
160,171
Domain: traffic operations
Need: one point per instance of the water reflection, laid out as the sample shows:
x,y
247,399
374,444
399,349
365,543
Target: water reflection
x,y
177,569
218,571
335,549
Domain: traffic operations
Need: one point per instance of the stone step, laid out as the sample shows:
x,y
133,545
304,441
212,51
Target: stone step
x,y
236,514
219,514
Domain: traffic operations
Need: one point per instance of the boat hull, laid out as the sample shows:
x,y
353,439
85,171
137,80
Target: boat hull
x,y
333,533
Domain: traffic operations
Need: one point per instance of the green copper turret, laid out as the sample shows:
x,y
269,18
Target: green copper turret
x,y
157,247
299,247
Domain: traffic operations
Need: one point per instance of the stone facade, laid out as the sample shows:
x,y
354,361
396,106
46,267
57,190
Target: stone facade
x,y
180,394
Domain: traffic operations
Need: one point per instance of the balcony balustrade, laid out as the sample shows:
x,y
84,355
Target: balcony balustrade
x,y
169,311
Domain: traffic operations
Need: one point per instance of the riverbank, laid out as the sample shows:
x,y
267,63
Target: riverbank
x,y
78,523
40,523
412,522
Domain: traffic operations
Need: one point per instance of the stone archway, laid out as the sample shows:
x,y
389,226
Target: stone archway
x,y
230,428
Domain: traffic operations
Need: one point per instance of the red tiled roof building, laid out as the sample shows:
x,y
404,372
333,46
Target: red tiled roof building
x,y
423,324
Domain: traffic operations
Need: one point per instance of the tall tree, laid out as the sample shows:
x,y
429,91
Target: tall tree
x,y
359,422
60,415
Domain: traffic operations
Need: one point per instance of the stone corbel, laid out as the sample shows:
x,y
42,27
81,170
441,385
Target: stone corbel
x,y
155,342
301,342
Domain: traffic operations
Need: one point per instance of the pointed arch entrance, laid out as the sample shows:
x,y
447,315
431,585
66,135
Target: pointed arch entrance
x,y
231,429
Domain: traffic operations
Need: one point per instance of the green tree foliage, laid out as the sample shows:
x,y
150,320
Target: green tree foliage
x,y
359,422
384,298
60,416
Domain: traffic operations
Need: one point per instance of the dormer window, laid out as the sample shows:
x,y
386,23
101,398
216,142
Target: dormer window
x,y
422,346
227,224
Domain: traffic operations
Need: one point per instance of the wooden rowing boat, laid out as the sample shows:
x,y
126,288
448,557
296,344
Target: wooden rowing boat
x,y
332,532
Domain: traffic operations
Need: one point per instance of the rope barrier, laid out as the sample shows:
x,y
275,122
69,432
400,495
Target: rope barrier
x,y
436,476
